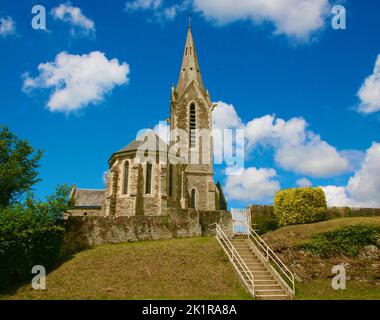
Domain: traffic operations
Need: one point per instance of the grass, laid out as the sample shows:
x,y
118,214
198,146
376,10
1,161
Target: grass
x,y
314,272
292,235
195,268
322,290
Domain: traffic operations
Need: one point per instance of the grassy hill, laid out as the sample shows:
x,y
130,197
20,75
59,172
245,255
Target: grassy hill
x,y
195,268
314,273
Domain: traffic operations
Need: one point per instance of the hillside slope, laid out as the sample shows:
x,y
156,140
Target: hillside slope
x,y
195,268
314,273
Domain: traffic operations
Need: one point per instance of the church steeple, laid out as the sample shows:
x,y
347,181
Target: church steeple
x,y
190,70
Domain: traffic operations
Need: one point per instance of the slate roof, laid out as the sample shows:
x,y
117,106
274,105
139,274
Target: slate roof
x,y
135,144
88,198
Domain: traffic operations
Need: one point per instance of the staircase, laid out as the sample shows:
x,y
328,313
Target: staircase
x,y
267,287
264,275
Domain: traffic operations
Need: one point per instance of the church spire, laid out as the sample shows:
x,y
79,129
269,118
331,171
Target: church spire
x,y
190,70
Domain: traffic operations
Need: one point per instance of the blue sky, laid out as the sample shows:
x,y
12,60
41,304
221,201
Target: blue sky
x,y
255,63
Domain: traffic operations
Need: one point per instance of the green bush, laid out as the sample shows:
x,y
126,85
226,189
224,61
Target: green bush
x,y
26,240
300,205
264,224
346,240
31,234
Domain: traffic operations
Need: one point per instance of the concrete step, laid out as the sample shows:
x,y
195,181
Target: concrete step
x,y
268,286
273,297
260,272
248,254
274,292
257,268
242,248
253,263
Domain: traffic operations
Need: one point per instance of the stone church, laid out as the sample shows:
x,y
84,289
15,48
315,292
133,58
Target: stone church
x,y
149,175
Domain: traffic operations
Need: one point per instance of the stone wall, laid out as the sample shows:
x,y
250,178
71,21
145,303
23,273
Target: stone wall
x,y
86,212
268,212
261,211
352,212
84,232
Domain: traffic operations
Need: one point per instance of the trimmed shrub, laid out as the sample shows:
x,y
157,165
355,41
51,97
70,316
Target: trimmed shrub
x,y
300,205
26,240
347,241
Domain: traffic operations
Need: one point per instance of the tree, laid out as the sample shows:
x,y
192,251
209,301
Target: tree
x,y
54,207
18,167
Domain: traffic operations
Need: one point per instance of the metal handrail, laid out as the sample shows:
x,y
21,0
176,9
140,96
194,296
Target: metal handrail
x,y
270,255
234,255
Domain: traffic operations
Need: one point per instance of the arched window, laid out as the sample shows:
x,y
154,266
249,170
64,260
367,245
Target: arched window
x,y
170,180
148,180
126,177
193,126
192,200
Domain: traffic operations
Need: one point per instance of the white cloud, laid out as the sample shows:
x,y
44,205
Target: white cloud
x,y
143,5
226,144
312,157
364,186
162,130
337,196
224,116
104,176
78,80
369,93
252,184
74,16
363,189
297,149
303,182
7,26
157,7
295,18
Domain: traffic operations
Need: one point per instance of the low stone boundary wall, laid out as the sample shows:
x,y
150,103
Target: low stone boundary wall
x,y
268,212
352,212
261,211
84,232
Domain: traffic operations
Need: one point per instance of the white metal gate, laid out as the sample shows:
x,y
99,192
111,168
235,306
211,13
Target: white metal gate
x,y
240,218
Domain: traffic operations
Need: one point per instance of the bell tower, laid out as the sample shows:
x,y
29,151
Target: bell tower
x,y
191,121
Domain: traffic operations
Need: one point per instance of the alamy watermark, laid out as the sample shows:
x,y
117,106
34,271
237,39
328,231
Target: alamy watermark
x,y
39,280
338,282
195,147
338,21
39,20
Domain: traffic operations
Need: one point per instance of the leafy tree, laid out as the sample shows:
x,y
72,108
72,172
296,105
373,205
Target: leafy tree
x,y
55,205
222,199
31,233
18,167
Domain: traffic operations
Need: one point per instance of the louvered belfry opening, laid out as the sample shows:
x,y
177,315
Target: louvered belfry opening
x,y
193,126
